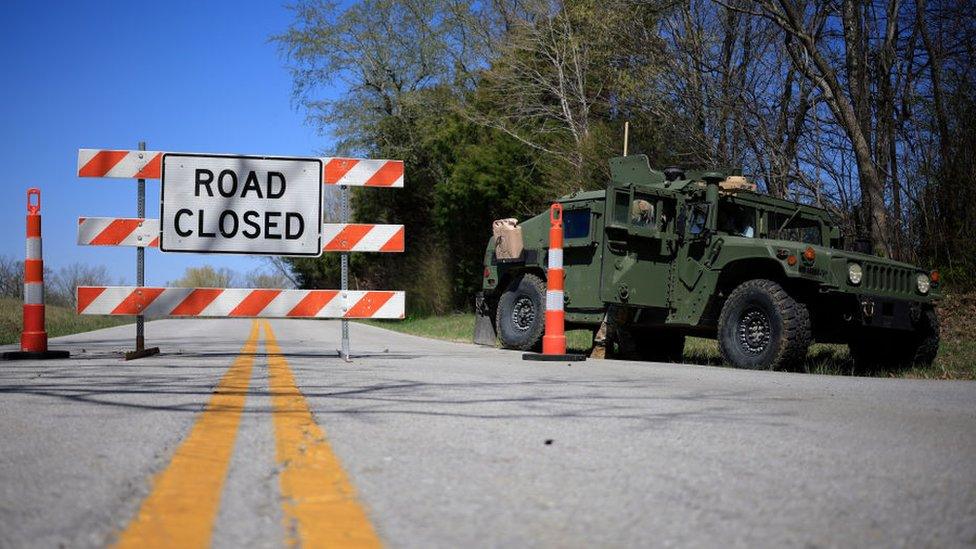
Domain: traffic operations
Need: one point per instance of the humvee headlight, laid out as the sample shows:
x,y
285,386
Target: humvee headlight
x,y
854,273
923,283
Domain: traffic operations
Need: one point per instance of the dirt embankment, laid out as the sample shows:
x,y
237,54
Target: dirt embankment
x,y
957,317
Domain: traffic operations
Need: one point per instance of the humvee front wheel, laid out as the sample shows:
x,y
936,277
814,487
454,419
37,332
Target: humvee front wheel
x,y
763,327
521,313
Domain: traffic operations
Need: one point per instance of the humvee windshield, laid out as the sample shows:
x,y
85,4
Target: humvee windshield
x,y
795,227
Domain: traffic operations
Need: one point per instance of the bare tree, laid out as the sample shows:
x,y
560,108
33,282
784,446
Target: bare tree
x,y
380,51
62,285
280,268
260,278
206,277
562,67
543,78
11,277
813,55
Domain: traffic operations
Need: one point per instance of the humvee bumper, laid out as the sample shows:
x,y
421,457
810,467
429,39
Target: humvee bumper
x,y
886,312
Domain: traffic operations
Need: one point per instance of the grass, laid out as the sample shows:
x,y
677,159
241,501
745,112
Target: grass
x,y
59,321
956,359
457,327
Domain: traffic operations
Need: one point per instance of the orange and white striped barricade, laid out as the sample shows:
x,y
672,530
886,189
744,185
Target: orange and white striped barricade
x,y
239,302
554,339
350,172
33,339
142,232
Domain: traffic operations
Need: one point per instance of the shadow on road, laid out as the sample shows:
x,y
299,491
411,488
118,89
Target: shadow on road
x,y
157,386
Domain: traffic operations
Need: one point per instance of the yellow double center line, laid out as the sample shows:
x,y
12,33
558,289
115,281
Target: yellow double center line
x,y
318,500
320,503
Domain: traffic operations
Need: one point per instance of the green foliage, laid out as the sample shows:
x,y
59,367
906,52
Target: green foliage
x,y
492,178
960,276
460,177
452,94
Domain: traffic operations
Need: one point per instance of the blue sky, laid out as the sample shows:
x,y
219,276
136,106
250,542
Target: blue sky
x,y
182,76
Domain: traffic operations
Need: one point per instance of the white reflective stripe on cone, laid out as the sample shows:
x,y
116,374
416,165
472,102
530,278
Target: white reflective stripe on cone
x,y
33,248
33,293
554,300
555,258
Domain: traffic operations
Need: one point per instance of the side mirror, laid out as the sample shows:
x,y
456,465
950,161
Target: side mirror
x,y
681,224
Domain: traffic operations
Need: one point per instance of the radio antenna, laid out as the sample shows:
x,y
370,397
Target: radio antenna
x,y
626,135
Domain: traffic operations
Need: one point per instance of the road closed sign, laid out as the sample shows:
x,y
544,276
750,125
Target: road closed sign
x,y
241,205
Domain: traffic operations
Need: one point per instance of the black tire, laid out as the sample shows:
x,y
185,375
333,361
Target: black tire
x,y
521,313
762,327
659,345
880,351
925,345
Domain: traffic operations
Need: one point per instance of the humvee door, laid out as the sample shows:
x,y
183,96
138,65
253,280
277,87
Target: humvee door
x,y
582,225
639,238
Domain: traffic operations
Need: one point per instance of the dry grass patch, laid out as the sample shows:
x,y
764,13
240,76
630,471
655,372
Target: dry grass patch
x,y
59,321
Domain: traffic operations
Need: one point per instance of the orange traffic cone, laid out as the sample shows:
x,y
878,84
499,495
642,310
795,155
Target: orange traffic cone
x,y
554,340
33,339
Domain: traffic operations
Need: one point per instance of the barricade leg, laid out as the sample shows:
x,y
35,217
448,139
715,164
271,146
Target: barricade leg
x,y
141,350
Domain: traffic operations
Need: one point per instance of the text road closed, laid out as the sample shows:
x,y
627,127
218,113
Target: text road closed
x,y
241,204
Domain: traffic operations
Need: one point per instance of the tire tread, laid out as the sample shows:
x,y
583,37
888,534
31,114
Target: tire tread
x,y
797,333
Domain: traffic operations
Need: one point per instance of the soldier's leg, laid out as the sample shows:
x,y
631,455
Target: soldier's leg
x,y
619,343
600,340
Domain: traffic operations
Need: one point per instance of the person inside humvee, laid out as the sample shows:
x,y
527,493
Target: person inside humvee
x,y
641,213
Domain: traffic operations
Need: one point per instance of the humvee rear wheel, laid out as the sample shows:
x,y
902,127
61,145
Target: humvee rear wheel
x,y
521,313
763,327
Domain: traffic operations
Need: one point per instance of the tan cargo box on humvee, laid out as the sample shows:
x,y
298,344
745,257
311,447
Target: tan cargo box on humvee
x,y
508,238
734,183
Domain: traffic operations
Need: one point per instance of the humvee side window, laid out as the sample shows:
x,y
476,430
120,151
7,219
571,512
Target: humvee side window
x,y
795,228
576,223
621,208
737,220
698,220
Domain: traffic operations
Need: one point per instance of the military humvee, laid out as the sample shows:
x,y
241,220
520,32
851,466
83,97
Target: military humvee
x,y
661,255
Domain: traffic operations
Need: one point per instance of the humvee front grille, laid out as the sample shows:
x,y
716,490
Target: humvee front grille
x,y
887,279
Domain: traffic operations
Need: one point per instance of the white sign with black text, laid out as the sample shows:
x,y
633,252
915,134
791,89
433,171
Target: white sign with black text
x,y
241,204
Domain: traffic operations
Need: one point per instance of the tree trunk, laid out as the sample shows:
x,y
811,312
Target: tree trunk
x,y
848,110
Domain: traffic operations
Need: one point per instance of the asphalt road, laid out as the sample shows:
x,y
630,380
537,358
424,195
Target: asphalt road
x,y
242,436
